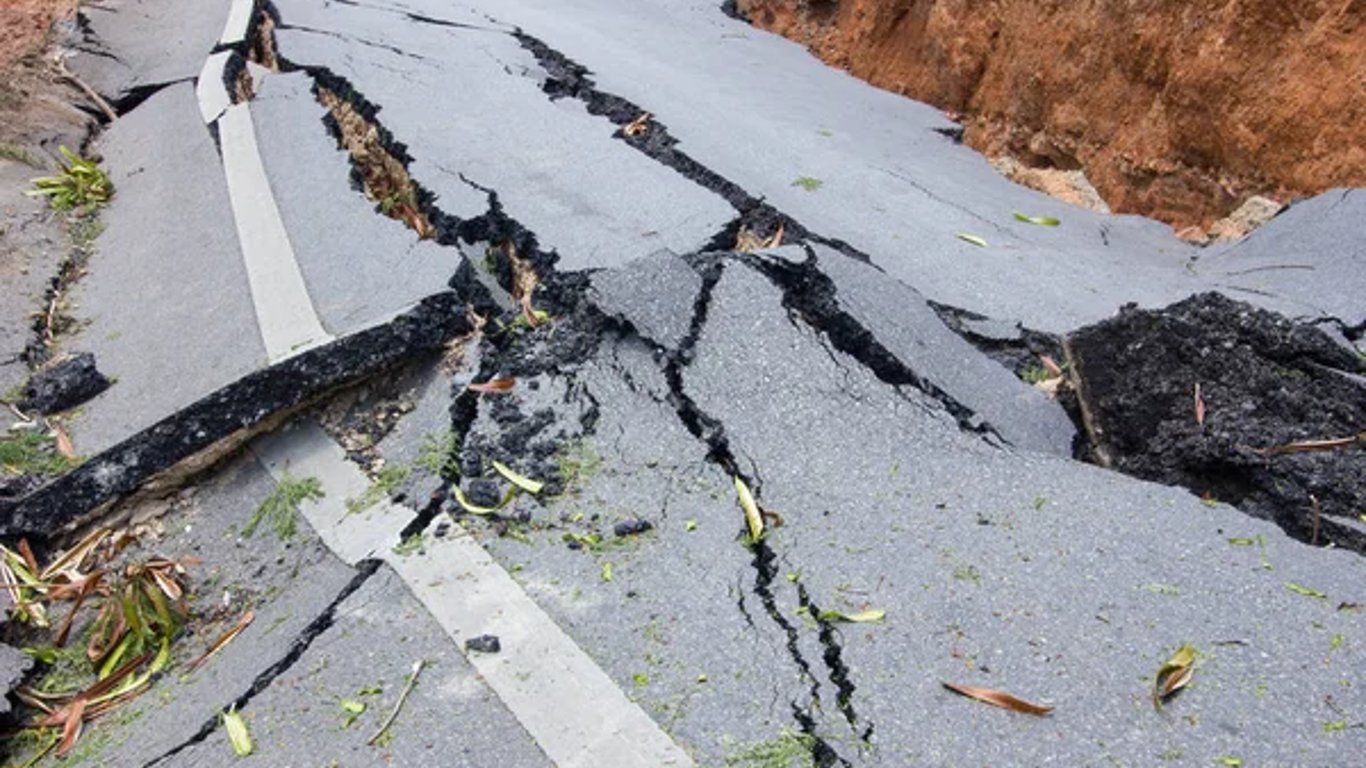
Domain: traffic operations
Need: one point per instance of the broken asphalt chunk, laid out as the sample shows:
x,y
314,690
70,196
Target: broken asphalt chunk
x,y
64,386
230,416
1264,380
484,644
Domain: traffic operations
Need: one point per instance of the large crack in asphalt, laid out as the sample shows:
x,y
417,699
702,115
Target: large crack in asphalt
x,y
263,680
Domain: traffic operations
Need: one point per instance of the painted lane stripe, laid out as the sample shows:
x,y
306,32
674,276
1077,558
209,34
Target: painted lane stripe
x,y
209,88
239,19
568,705
284,311
575,713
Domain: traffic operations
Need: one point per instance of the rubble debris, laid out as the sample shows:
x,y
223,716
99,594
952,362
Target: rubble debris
x,y
1265,381
632,527
228,417
484,644
63,386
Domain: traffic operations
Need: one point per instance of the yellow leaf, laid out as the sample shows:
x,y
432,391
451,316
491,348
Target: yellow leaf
x,y
475,509
532,487
237,732
751,508
862,617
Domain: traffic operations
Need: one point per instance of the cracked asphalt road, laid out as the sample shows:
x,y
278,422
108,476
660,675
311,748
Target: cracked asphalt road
x,y
906,470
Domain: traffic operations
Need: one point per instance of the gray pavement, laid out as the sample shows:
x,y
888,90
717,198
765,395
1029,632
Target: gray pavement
x,y
166,306
118,57
904,471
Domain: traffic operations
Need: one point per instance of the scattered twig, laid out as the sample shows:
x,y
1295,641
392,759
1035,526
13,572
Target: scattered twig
x,y
87,90
1314,505
1306,446
398,705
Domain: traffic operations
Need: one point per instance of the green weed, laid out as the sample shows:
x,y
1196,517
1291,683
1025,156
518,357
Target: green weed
x,y
386,481
788,750
31,452
281,507
80,183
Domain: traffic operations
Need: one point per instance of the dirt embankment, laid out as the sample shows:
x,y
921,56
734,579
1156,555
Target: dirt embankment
x,y
1178,111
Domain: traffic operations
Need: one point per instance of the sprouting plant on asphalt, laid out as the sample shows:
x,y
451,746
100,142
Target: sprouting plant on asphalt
x,y
576,463
80,183
281,507
31,452
788,750
439,454
808,183
386,481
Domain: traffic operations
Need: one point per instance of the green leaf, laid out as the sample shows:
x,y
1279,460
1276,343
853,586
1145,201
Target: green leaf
x,y
1043,221
237,732
808,183
607,571
753,519
974,239
1336,725
1230,760
1242,541
532,487
1306,591
690,525
862,617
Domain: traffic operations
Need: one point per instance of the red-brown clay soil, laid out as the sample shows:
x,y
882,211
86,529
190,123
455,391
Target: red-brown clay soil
x,y
24,25
1175,110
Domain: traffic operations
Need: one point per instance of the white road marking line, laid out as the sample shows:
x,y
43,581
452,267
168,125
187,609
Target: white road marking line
x,y
284,310
575,713
209,88
239,19
568,705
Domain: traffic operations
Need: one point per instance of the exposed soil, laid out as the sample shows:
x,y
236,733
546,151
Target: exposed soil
x,y
1266,386
1178,111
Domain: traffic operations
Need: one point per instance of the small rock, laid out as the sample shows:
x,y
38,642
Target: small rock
x,y
483,492
64,386
632,527
484,644
1254,212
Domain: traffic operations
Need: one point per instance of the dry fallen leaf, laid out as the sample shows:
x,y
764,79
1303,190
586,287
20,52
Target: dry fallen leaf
x,y
493,386
1050,365
753,518
1199,406
222,640
637,126
1174,674
998,699
63,441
